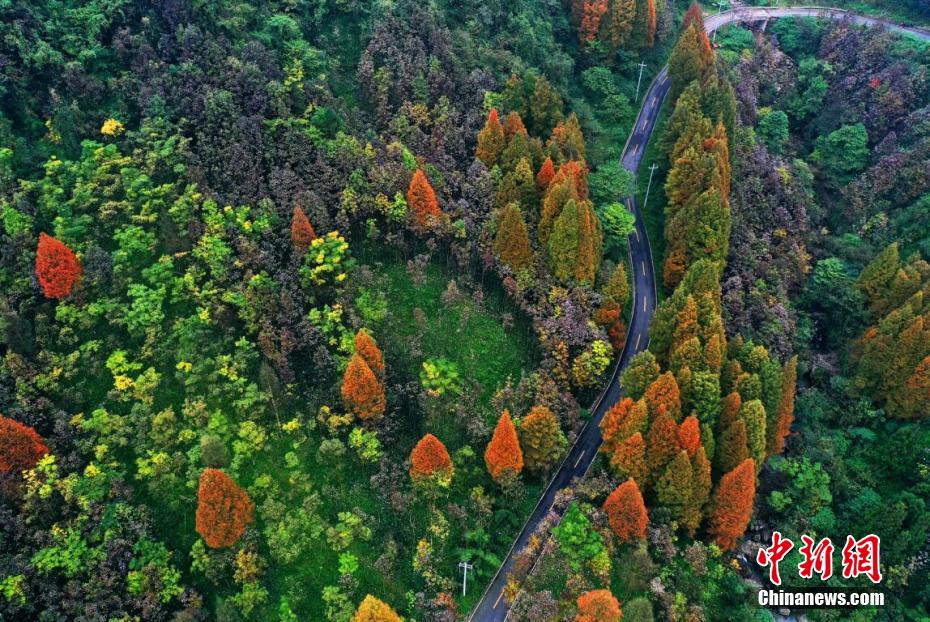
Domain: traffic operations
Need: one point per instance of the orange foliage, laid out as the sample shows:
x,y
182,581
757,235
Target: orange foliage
x,y
661,443
663,396
689,435
429,458
729,409
56,267
629,458
693,16
578,173
513,125
545,175
786,406
366,348
731,508
21,447
503,453
592,11
374,610
626,512
421,200
361,391
223,509
302,232
491,140
598,606
621,421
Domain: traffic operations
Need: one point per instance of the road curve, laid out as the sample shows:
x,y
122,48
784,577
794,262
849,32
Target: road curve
x,y
493,607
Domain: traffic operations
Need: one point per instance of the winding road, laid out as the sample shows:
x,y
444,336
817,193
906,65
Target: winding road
x,y
493,607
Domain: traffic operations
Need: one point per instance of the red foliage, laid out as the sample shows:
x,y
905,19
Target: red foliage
x,y
732,505
361,390
429,457
626,512
545,175
503,453
56,267
689,435
302,232
223,509
592,12
421,200
729,409
21,447
366,348
693,16
598,606
661,443
664,397
578,173
629,459
513,125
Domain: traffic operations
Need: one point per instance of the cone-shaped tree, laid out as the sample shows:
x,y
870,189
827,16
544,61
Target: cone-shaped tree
x,y
541,439
621,421
639,374
576,243
753,413
491,140
591,13
731,507
545,175
545,107
732,447
513,125
673,488
786,407
512,242
700,491
362,393
21,447
557,197
617,288
430,463
729,409
598,606
690,59
421,200
626,512
913,399
366,348
223,509
578,173
302,232
693,15
644,24
617,23
503,453
56,267
629,458
374,610
664,396
661,443
689,435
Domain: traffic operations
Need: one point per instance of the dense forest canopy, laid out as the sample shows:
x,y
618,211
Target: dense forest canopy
x,y
304,302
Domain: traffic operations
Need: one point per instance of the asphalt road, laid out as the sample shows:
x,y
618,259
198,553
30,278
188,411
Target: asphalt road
x,y
493,607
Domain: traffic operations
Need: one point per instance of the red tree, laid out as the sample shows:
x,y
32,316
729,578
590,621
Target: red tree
x,y
689,435
503,453
421,199
626,512
361,390
430,460
661,443
629,458
366,348
21,447
545,175
56,267
302,233
598,606
664,396
513,125
731,508
223,509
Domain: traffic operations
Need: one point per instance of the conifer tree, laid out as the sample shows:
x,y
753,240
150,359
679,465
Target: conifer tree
x,y
731,507
661,444
430,464
617,23
590,15
518,186
545,175
21,447
568,139
224,509
876,278
644,24
689,435
541,439
626,512
57,268
373,610
598,606
421,200
617,288
621,421
302,233
545,107
362,393
729,409
664,397
700,490
503,455
575,243
753,413
491,140
673,488
732,447
366,347
576,171
513,125
785,414
512,242
691,58
639,374
560,193
629,458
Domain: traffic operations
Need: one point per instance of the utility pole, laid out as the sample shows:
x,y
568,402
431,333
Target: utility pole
x,y
640,79
652,170
465,566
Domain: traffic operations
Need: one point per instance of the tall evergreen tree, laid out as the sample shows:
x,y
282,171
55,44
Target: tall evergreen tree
x,y
731,507
491,141
512,242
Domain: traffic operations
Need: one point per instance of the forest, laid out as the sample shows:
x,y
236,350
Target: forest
x,y
307,303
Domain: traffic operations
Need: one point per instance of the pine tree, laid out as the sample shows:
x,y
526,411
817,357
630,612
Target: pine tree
x,y
21,447
876,278
626,512
915,395
503,455
491,140
694,15
729,409
512,242
545,107
518,186
590,244
576,171
56,267
545,175
639,374
661,444
513,125
753,413
732,447
673,488
565,241
558,196
541,439
421,199
621,421
224,509
776,440
731,507
691,58
617,23
689,435
302,233
366,347
664,397
617,287
362,393
519,147
598,606
700,491
374,610
628,459
430,464
568,139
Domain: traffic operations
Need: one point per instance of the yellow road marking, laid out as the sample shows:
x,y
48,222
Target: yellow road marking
x,y
497,602
580,456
